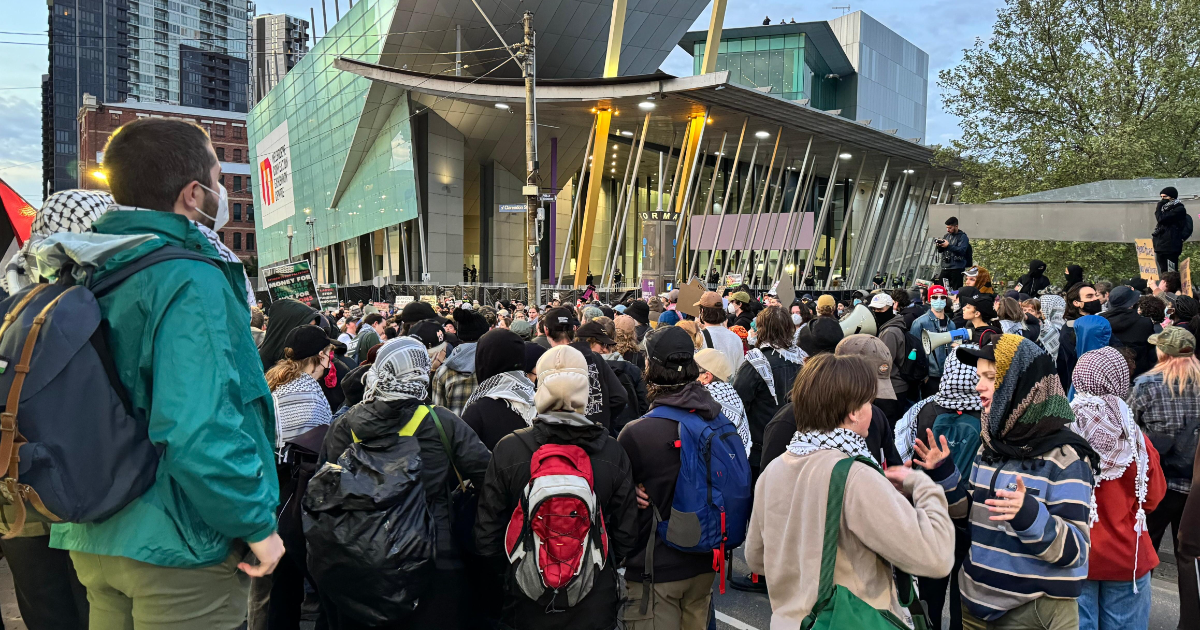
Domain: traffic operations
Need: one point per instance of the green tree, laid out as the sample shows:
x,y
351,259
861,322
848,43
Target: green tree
x,y
1066,92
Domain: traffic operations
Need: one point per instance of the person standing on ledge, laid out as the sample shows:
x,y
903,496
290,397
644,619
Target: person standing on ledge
x,y
1173,227
954,248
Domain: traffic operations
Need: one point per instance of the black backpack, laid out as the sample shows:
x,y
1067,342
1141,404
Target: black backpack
x,y
74,449
914,367
1187,227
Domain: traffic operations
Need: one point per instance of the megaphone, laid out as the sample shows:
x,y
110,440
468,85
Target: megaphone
x,y
929,340
858,321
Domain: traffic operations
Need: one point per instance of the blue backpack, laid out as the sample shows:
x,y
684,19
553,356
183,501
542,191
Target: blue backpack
x,y
711,508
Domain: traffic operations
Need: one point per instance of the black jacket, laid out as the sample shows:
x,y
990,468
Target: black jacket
x,y
635,392
499,495
1034,282
1066,359
613,398
650,444
781,429
377,418
955,254
1134,331
911,313
756,396
1172,221
491,420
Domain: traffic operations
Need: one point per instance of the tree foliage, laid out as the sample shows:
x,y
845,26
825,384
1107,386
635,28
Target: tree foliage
x,y
1066,92
1008,259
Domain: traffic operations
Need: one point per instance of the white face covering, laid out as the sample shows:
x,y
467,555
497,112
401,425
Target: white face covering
x,y
222,217
731,308
796,319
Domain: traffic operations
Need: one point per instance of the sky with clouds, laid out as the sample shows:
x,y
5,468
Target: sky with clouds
x,y
942,28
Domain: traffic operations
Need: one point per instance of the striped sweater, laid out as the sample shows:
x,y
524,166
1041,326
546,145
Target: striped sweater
x,y
1043,551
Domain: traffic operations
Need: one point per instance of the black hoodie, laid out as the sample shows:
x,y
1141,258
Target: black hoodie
x,y
498,350
501,491
285,315
1134,331
1034,282
1072,277
650,444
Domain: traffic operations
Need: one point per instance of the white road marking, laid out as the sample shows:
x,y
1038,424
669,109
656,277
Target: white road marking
x,y
740,625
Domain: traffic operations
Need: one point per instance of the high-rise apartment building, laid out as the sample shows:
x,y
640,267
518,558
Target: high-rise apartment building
x,y
89,52
277,42
159,28
212,80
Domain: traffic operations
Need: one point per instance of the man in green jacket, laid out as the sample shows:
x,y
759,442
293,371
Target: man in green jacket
x,y
182,349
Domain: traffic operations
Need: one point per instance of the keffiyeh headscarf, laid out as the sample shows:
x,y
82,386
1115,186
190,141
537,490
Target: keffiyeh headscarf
x,y
512,387
1053,309
957,388
64,211
1101,381
400,371
839,439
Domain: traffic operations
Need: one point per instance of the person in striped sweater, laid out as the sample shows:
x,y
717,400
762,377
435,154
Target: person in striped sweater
x,y
1027,503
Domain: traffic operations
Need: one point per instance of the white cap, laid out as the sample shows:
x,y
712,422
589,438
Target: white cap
x,y
881,300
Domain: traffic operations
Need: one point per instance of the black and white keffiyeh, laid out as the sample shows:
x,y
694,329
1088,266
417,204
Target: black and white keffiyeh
x,y
228,256
839,439
732,407
300,405
957,387
512,387
758,360
64,211
400,371
595,403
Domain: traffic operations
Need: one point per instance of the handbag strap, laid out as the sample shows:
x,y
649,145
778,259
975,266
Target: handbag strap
x,y
833,526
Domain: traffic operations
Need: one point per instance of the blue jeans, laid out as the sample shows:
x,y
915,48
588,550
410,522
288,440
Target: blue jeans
x,y
1114,606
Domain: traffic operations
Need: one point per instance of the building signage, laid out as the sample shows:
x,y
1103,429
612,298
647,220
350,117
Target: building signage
x,y
292,280
660,215
512,207
277,203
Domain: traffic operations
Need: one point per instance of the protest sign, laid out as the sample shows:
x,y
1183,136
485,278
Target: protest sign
x,y
292,280
1145,255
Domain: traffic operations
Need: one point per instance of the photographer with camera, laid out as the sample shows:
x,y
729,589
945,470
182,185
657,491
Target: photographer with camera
x,y
955,249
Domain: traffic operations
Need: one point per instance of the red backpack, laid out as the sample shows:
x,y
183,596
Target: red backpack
x,y
556,540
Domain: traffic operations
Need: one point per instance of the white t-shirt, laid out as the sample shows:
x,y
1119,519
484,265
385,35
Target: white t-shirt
x,y
728,343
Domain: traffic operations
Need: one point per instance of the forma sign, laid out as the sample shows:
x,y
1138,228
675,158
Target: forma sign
x,y
277,202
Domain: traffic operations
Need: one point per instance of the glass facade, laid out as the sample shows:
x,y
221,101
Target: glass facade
x,y
157,28
321,107
780,61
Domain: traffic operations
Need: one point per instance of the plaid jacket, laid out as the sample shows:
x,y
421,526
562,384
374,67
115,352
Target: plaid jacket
x,y
1159,411
452,389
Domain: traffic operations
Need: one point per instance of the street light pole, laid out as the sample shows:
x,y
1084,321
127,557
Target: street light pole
x,y
531,189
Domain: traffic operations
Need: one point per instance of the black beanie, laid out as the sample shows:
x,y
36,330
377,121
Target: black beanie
x,y
416,311
640,312
499,350
821,335
469,326
1170,192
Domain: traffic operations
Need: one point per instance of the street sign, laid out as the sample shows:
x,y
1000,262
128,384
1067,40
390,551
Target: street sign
x,y
512,207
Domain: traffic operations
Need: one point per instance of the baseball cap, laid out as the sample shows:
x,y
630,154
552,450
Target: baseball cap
x,y
1175,341
937,289
306,341
416,311
712,360
663,343
430,334
881,300
595,331
710,299
560,318
877,353
740,296
826,301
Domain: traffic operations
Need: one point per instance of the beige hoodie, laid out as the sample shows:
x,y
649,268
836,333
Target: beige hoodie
x,y
879,525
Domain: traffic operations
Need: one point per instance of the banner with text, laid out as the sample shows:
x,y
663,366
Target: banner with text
x,y
293,280
277,203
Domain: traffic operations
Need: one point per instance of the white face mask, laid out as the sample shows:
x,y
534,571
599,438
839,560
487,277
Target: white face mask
x,y
752,339
731,309
796,318
222,217
938,305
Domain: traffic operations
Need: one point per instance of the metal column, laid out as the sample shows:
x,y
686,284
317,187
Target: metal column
x,y
810,258
847,215
562,268
868,226
712,252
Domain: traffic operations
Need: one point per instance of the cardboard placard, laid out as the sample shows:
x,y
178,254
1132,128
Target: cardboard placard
x,y
1185,277
733,279
292,280
785,291
328,295
432,299
402,300
689,294
1147,266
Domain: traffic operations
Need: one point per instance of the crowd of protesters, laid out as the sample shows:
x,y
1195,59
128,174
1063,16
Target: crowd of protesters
x,y
511,465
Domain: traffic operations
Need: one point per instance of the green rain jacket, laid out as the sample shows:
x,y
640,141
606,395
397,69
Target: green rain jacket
x,y
180,338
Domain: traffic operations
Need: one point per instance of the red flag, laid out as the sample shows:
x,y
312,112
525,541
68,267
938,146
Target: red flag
x,y
19,212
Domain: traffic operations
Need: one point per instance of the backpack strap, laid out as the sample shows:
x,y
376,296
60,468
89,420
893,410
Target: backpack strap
x,y
708,342
12,315
162,254
648,570
833,525
10,438
445,444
